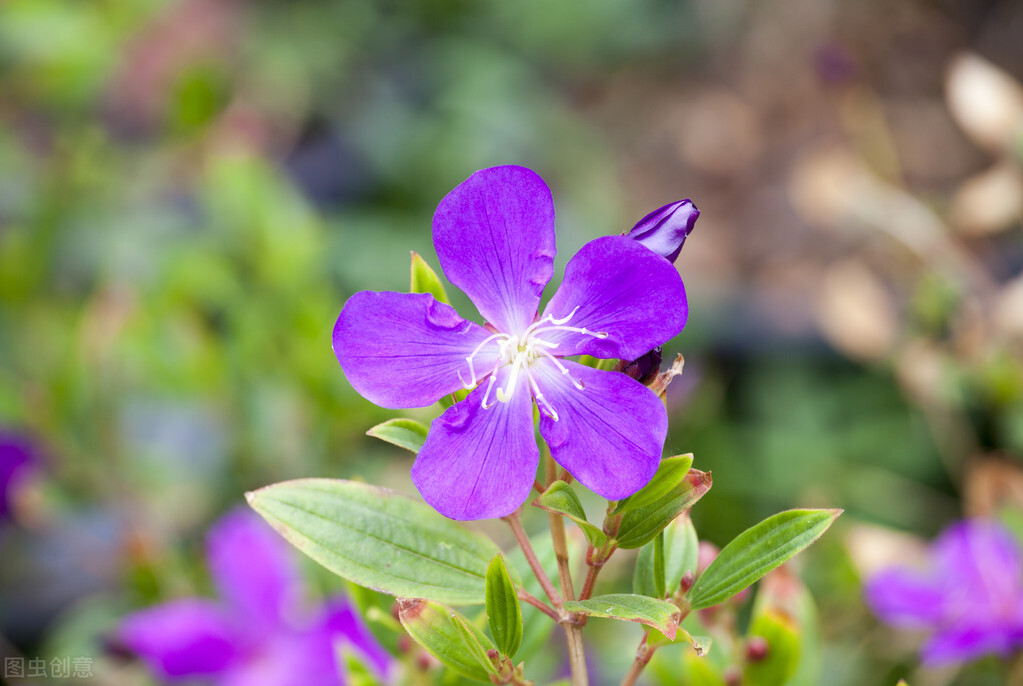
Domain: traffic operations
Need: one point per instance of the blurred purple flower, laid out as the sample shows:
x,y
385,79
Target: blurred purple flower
x,y
18,461
254,636
665,229
494,235
970,597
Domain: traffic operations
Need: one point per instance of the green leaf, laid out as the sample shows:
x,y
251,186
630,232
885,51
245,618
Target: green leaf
x,y
536,626
649,577
681,551
669,474
640,524
643,580
356,671
404,433
425,280
659,614
379,539
476,642
700,644
560,498
434,627
659,565
503,611
758,550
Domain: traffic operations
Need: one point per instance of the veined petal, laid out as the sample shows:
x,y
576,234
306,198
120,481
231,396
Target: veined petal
x,y
403,350
181,639
479,463
610,434
967,641
616,286
905,597
980,563
341,622
494,235
254,570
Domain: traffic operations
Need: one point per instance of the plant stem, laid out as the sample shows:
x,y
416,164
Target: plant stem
x,y
643,655
538,604
576,654
527,549
591,581
573,632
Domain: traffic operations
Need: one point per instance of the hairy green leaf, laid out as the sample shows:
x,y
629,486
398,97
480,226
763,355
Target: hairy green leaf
x,y
641,524
669,474
425,280
561,498
659,614
504,614
404,433
758,550
442,632
379,539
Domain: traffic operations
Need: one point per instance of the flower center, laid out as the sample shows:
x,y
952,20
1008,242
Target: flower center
x,y
519,351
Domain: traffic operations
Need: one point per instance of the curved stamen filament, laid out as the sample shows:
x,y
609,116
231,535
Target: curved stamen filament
x,y
486,395
559,325
564,370
541,400
471,384
513,378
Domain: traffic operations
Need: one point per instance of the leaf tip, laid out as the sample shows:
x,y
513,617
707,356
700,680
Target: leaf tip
x,y
410,608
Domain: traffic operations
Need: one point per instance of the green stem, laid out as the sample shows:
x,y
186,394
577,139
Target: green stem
x,y
573,632
527,549
643,655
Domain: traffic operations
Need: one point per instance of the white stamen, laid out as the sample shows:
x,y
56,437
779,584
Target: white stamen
x,y
520,351
472,369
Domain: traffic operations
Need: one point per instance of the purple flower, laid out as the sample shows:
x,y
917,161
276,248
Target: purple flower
x,y
253,636
494,236
665,229
970,597
17,463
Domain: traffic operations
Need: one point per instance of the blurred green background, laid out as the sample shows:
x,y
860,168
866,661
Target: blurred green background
x,y
190,189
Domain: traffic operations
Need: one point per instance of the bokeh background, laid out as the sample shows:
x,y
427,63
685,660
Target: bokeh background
x,y
190,189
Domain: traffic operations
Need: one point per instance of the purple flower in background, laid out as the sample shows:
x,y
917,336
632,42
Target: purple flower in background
x,y
17,463
665,229
494,236
255,635
970,597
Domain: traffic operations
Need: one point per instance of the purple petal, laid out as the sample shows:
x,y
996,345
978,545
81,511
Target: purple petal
x,y
964,642
403,350
479,463
289,659
254,570
609,435
904,597
980,563
17,462
341,622
494,235
614,285
665,229
184,638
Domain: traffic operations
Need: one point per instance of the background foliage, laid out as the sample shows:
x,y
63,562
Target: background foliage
x,y
189,191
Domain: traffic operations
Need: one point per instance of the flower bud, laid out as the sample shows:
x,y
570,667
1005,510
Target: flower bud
x,y
645,367
665,230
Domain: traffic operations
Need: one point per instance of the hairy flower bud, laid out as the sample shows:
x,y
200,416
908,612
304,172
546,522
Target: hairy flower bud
x,y
645,367
665,230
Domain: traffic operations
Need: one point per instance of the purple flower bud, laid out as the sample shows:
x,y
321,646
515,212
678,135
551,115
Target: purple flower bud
x,y
665,230
644,368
